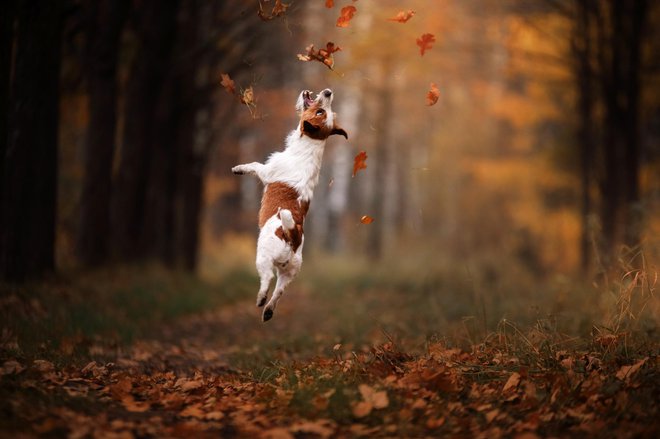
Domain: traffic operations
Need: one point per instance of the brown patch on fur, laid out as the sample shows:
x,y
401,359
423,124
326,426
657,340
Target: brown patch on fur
x,y
314,125
293,237
282,196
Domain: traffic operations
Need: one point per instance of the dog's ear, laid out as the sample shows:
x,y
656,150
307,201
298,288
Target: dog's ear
x,y
340,131
309,128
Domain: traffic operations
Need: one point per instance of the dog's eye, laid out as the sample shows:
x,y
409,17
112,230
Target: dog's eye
x,y
320,112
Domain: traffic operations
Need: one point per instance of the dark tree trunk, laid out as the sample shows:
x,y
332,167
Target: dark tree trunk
x,y
105,22
27,238
156,30
635,29
582,50
6,41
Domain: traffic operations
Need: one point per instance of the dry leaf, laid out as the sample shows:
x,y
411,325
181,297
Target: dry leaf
x,y
512,382
425,42
279,9
362,409
347,13
228,83
193,411
329,4
378,399
134,406
366,219
627,371
403,16
322,55
433,95
360,162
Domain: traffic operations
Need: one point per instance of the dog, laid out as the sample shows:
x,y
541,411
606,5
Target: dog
x,y
289,179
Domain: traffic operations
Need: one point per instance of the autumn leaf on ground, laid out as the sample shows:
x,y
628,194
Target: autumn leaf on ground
x,y
372,399
279,9
403,16
425,42
366,219
346,15
512,382
329,4
228,83
433,95
359,162
322,55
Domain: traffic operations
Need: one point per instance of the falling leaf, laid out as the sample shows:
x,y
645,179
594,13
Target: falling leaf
x,y
366,219
359,162
403,16
247,96
228,83
329,4
433,95
347,13
322,55
279,9
425,42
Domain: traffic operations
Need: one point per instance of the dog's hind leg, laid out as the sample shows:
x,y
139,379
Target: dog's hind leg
x,y
265,269
284,278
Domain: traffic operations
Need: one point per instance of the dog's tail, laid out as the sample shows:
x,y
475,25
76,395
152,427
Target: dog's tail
x,y
287,219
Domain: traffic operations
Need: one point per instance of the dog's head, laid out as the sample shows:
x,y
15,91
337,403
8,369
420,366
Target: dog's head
x,y
316,117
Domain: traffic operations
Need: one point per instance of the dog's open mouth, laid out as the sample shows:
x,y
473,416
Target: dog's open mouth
x,y
307,98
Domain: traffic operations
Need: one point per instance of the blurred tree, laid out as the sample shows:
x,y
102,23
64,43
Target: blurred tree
x,y
105,20
608,42
27,234
154,25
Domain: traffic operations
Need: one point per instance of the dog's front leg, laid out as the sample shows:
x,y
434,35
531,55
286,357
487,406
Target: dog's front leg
x,y
254,168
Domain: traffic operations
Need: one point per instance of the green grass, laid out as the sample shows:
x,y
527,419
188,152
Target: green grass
x,y
62,317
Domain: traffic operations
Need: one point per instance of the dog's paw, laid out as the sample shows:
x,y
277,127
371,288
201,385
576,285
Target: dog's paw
x,y
268,314
261,301
238,170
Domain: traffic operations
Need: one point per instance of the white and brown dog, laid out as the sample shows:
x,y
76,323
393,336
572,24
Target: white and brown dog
x,y
289,177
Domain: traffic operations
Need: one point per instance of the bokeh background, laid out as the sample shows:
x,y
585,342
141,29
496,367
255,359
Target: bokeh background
x,y
536,174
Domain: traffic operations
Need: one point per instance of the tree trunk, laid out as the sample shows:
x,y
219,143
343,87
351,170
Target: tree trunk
x,y
584,75
380,158
636,14
105,22
156,29
27,238
6,41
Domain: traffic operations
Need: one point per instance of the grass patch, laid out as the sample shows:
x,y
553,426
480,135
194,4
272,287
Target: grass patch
x,y
62,318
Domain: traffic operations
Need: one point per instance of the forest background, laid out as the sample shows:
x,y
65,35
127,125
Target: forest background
x,y
529,191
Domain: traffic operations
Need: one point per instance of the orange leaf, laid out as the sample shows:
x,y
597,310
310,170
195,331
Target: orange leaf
x,y
228,83
359,162
329,4
512,382
425,42
433,95
366,219
403,16
322,55
346,15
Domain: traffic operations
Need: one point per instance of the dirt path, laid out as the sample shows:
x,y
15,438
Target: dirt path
x,y
224,373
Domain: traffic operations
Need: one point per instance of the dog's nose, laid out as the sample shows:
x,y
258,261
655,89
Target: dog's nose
x,y
327,92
